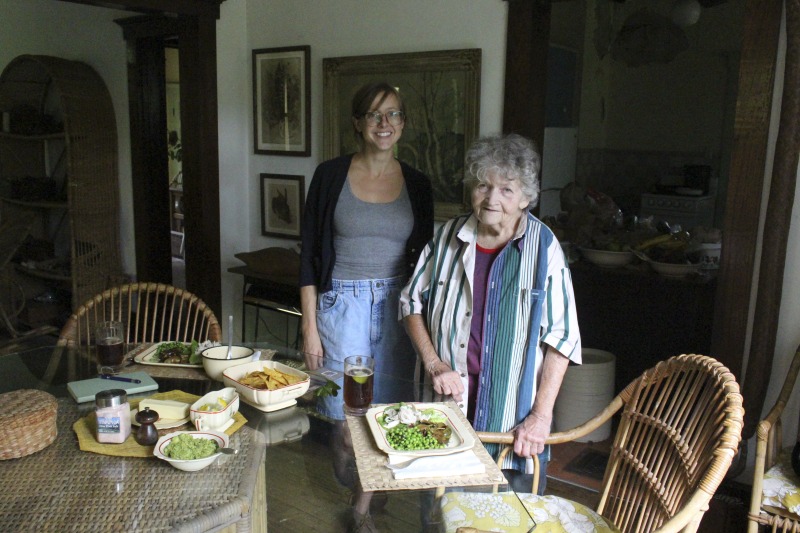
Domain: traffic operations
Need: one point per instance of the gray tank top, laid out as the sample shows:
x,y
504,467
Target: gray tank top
x,y
370,238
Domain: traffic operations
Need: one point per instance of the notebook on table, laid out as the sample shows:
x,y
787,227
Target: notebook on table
x,y
85,389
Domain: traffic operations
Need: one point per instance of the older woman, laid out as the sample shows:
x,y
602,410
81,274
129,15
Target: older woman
x,y
490,308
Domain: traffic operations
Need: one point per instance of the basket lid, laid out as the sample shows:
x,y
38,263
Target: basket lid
x,y
25,407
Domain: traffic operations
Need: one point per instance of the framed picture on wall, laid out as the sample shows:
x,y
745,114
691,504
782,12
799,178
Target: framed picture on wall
x,y
282,201
441,93
282,101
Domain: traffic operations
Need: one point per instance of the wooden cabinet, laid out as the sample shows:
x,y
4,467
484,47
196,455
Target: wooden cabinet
x,y
58,164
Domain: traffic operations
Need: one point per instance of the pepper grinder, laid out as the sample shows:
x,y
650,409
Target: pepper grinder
x,y
146,434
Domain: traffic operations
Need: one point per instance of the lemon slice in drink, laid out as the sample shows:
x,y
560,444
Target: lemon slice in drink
x,y
360,379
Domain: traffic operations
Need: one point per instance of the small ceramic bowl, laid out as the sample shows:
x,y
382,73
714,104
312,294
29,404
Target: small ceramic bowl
x,y
215,362
262,399
606,258
191,465
215,419
674,270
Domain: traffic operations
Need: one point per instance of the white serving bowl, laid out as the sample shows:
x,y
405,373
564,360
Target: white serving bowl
x,y
216,420
606,258
262,399
215,362
674,270
191,465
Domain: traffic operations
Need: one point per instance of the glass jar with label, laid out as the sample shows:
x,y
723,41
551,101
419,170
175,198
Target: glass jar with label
x,y
113,413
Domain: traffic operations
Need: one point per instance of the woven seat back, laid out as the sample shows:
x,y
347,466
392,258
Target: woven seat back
x,y
151,312
679,431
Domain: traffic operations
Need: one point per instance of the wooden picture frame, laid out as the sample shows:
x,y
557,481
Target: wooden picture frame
x,y
441,93
282,101
282,202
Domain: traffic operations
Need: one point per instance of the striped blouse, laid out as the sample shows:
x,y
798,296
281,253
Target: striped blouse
x,y
441,290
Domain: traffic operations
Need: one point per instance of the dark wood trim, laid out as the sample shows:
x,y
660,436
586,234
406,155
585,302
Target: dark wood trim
x,y
778,217
745,184
196,38
199,8
199,123
527,42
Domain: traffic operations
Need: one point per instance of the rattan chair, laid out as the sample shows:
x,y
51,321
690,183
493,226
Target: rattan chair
x,y
679,429
151,312
769,444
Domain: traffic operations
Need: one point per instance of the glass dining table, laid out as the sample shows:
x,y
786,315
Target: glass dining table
x,y
297,470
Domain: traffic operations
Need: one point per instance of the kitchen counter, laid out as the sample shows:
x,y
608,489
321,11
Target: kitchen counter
x,y
642,317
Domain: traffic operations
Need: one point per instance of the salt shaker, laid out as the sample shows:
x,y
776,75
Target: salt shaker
x,y
146,434
113,414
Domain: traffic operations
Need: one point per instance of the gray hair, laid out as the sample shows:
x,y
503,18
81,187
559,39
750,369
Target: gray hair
x,y
511,156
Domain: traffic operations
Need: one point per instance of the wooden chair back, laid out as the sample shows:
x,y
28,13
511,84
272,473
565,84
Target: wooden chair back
x,y
151,312
679,430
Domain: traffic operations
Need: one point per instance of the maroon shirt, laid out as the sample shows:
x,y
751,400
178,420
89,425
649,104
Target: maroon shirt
x,y
483,264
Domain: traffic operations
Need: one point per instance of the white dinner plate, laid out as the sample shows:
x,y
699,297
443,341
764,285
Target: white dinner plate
x,y
148,357
161,423
460,440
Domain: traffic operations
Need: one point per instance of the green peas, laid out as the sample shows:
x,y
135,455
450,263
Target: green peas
x,y
405,438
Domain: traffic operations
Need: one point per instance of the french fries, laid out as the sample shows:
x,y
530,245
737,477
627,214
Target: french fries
x,y
269,379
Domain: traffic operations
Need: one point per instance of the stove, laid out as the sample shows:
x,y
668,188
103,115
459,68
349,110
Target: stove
x,y
688,211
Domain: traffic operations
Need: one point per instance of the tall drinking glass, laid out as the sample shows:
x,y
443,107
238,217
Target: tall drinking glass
x,y
359,371
110,346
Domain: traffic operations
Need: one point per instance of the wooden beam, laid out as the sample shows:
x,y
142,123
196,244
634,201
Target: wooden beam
x,y
203,8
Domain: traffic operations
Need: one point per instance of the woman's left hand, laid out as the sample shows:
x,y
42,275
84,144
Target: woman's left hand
x,y
530,435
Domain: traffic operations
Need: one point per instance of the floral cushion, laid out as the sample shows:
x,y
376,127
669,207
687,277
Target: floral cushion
x,y
504,512
782,485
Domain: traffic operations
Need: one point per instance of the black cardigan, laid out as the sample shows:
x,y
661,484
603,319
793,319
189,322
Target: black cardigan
x,y
317,255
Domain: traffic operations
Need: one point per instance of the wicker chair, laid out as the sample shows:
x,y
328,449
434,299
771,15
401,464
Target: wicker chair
x,y
768,447
151,312
680,426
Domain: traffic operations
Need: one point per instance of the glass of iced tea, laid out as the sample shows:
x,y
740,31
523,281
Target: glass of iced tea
x,y
110,345
359,371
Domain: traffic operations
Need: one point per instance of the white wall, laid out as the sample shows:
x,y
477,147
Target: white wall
x,y
331,29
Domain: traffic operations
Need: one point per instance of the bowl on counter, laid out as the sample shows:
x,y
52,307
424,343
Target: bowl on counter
x,y
191,465
674,270
262,398
215,362
607,258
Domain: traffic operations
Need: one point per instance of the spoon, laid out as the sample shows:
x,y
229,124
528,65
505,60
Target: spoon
x,y
230,337
228,451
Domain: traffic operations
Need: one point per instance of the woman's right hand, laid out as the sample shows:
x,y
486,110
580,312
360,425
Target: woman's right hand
x,y
312,351
447,381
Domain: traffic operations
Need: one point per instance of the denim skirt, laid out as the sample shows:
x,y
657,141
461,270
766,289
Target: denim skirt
x,y
360,317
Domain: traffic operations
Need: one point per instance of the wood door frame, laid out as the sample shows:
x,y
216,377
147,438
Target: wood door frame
x,y
528,35
193,22
146,37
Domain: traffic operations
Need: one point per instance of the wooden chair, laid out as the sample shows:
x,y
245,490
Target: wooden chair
x,y
680,425
151,312
769,462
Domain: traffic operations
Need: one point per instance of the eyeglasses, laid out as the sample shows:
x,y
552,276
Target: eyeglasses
x,y
395,118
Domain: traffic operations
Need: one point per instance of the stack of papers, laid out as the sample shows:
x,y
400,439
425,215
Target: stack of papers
x,y
454,464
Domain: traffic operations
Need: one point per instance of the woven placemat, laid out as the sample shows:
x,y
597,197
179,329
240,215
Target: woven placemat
x,y
371,462
84,429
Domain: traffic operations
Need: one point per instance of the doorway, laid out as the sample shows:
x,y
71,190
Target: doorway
x,y
148,38
175,167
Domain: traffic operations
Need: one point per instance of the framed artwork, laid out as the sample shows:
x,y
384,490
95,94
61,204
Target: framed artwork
x,y
441,93
282,201
282,101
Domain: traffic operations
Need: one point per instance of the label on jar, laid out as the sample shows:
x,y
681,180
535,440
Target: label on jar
x,y
109,424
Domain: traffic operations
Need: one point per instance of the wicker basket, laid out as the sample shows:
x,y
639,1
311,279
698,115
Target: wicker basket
x,y
27,422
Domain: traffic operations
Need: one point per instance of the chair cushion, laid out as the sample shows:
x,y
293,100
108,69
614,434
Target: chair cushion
x,y
504,512
782,486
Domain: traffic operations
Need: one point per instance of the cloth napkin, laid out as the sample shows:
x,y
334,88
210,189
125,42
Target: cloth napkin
x,y
455,464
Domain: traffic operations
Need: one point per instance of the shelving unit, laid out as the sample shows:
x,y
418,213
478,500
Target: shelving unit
x,y
59,161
